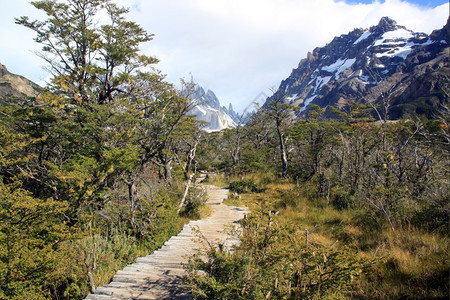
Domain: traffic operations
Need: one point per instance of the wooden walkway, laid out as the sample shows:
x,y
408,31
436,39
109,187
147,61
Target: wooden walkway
x,y
160,275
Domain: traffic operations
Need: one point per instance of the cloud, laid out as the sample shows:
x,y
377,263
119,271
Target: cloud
x,y
240,48
17,47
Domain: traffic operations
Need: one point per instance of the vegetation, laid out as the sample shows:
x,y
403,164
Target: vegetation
x,y
92,170
96,171
363,213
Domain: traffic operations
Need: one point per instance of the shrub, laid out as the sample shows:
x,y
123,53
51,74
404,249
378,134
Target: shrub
x,y
243,186
342,198
195,201
271,264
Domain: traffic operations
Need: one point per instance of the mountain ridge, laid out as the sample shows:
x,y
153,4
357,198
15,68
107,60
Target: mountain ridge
x,y
206,105
13,85
383,63
207,108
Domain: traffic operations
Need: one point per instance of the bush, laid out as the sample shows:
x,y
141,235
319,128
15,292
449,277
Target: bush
x,y
195,201
243,186
342,198
271,264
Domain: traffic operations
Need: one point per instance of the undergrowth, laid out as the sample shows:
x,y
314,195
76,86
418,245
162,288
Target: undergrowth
x,y
295,246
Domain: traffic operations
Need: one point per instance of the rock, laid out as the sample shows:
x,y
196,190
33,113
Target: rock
x,y
12,85
384,62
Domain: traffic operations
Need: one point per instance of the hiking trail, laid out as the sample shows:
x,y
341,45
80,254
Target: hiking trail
x,y
160,275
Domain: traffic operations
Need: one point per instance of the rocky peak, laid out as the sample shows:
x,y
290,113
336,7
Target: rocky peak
x,y
367,65
387,24
442,34
207,108
12,85
3,70
206,97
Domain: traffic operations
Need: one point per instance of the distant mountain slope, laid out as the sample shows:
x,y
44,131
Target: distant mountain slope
x,y
207,108
387,62
12,85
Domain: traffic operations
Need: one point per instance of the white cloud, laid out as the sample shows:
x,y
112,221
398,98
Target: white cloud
x,y
239,48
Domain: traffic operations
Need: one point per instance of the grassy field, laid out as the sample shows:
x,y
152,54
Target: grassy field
x,y
360,256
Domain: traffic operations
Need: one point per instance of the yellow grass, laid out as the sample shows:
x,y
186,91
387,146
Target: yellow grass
x,y
205,211
405,262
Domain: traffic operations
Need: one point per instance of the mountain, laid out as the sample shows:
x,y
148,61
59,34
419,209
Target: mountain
x,y
386,63
12,85
207,108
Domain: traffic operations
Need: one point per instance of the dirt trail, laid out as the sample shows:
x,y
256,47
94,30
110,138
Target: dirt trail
x,y
160,275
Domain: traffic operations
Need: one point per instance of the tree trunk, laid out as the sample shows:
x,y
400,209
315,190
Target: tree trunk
x,y
91,267
168,171
132,198
237,149
284,162
186,190
190,158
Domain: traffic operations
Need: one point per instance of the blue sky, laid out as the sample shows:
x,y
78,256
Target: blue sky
x,y
425,3
237,48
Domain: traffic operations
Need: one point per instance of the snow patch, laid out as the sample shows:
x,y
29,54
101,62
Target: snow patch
x,y
291,97
399,34
398,40
313,76
366,79
321,81
339,66
211,109
363,36
402,52
307,102
201,109
428,42
334,67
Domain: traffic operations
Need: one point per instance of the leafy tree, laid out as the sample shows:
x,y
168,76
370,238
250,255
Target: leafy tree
x,y
89,64
32,230
105,125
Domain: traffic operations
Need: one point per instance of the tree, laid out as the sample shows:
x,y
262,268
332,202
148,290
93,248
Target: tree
x,y
281,113
104,124
89,64
32,230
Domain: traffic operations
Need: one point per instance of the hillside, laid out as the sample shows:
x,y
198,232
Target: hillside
x,y
12,85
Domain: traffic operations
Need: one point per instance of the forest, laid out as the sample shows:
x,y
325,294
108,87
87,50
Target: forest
x,y
93,172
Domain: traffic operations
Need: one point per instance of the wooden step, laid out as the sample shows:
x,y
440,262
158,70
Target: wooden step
x,y
160,275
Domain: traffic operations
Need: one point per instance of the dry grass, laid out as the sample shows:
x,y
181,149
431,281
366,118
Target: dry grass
x,y
408,263
234,201
218,180
205,211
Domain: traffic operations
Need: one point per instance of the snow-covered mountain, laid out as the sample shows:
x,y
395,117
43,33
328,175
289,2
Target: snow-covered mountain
x,y
207,108
386,62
